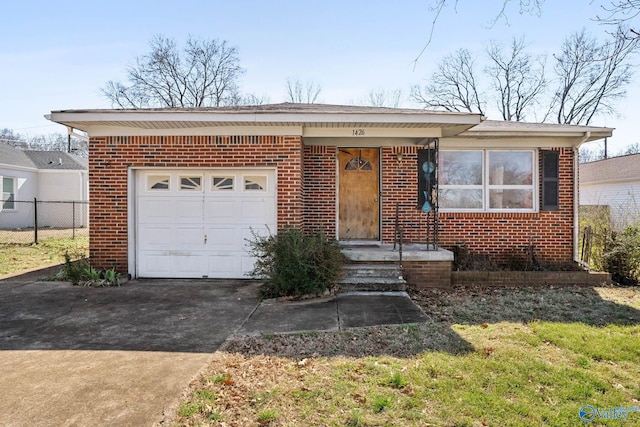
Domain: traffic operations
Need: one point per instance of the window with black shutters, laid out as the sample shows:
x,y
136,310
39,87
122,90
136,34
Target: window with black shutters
x,y
550,180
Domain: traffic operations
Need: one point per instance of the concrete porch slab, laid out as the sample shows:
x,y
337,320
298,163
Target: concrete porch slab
x,y
386,253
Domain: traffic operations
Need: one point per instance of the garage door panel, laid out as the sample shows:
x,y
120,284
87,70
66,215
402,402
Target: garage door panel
x,y
190,211
155,265
153,210
189,265
249,233
247,263
224,265
222,211
222,238
252,210
188,237
192,234
155,236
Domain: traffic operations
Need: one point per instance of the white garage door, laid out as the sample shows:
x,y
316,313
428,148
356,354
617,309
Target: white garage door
x,y
195,223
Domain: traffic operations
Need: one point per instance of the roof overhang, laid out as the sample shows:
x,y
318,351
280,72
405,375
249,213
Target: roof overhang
x,y
573,135
321,122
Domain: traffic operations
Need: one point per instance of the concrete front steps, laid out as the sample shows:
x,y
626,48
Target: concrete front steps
x,y
372,277
423,266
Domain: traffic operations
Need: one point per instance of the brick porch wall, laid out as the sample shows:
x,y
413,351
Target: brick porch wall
x,y
111,157
427,274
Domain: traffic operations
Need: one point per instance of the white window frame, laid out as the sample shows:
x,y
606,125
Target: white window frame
x,y
486,186
264,189
14,192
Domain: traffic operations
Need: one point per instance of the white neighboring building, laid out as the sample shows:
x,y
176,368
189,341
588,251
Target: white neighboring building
x,y
613,182
48,176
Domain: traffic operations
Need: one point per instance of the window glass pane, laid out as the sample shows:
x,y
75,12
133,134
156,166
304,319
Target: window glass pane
x,y
510,168
7,185
158,182
8,196
460,199
258,183
222,183
190,183
511,199
460,168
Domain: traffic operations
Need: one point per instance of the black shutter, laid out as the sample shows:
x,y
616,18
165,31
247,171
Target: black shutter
x,y
550,180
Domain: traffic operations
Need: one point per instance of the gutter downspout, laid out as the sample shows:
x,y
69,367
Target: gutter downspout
x,y
576,198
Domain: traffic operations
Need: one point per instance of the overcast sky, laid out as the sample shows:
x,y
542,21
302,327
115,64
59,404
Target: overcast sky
x,y
57,55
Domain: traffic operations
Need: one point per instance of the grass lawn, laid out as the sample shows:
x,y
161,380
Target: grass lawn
x,y
15,258
492,357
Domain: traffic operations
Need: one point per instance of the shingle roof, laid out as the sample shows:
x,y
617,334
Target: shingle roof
x,y
621,168
14,157
38,159
285,107
56,160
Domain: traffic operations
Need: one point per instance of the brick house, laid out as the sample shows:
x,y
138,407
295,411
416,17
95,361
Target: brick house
x,y
175,192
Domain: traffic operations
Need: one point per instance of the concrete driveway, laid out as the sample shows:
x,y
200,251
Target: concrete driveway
x,y
74,356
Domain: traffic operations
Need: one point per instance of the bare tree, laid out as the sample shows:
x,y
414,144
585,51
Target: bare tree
x,y
619,12
48,142
205,73
437,6
587,155
632,149
453,86
59,142
517,78
302,93
254,99
384,98
591,76
9,137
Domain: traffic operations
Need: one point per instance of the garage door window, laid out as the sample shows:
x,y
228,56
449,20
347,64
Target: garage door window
x,y
191,183
158,182
255,183
222,183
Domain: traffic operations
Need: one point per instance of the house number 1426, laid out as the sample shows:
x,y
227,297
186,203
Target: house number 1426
x,y
358,132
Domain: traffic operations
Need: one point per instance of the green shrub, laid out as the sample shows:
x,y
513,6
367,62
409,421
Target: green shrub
x,y
81,272
622,255
296,264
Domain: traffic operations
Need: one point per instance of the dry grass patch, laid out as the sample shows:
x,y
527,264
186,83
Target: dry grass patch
x,y
507,357
16,258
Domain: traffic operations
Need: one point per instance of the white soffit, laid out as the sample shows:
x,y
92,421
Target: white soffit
x,y
322,123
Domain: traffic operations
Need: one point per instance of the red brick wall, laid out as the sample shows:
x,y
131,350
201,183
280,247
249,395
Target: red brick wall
x,y
320,189
400,186
494,234
427,274
111,157
306,194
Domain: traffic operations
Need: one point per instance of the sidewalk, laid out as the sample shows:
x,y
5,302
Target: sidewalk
x,y
350,310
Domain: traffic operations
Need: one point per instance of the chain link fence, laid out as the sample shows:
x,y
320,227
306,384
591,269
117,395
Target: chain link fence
x,y
30,221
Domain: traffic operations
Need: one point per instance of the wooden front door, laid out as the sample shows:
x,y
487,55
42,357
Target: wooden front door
x,y
358,194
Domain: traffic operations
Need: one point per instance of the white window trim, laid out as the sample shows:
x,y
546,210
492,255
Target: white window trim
x,y
14,192
265,188
486,187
